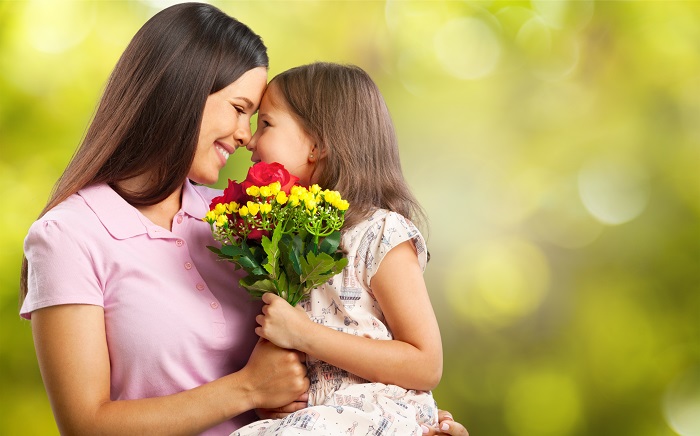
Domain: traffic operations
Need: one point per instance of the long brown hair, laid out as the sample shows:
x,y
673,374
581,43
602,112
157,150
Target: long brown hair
x,y
148,118
342,109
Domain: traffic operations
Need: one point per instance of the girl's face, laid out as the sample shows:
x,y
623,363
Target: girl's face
x,y
226,124
280,138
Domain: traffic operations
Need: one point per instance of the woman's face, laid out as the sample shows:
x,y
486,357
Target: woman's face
x,y
280,138
226,124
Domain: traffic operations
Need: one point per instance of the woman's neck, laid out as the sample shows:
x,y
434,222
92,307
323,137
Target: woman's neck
x,y
161,213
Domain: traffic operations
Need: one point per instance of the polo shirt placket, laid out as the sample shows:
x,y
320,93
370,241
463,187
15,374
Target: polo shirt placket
x,y
199,286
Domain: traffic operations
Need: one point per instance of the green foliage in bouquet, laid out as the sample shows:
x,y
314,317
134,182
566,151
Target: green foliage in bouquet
x,y
286,237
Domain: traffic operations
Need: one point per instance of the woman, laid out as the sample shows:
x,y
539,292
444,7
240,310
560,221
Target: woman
x,y
136,326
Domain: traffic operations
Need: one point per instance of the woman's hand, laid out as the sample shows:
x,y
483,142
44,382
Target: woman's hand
x,y
446,425
275,376
284,411
281,323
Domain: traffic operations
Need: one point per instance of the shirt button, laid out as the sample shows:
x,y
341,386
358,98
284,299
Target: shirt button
x,y
214,305
200,287
179,242
188,265
179,219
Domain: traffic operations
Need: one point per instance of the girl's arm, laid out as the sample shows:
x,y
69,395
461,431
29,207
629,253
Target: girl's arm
x,y
413,360
71,347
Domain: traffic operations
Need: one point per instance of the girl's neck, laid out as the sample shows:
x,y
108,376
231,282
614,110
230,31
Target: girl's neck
x,y
161,213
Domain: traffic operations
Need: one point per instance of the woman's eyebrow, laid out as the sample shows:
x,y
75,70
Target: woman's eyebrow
x,y
248,103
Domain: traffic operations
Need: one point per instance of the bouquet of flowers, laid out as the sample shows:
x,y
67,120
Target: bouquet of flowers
x,y
283,235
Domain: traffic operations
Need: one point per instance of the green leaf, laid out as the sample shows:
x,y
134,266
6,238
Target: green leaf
x,y
258,285
330,243
283,283
292,247
231,250
272,249
214,250
243,257
317,269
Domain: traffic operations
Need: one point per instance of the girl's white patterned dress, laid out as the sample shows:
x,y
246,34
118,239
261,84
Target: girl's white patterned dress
x,y
341,403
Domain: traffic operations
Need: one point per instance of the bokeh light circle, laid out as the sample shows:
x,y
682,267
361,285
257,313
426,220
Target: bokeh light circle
x,y
572,14
467,48
57,29
681,403
615,190
496,283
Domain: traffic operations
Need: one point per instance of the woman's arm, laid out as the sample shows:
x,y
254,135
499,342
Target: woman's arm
x,y
71,347
412,360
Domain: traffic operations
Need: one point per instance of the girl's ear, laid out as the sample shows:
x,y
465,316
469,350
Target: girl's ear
x,y
316,153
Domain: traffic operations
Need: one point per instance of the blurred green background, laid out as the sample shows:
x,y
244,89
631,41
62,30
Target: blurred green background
x,y
554,144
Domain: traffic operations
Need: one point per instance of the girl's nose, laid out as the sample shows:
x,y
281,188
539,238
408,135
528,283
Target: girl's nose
x,y
251,144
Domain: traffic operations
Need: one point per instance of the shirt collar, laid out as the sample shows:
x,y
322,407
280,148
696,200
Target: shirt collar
x,y
123,220
193,204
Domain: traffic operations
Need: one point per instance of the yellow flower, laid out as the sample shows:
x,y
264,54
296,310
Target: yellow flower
x,y
253,191
210,217
232,207
330,196
221,221
275,187
265,191
294,200
243,211
265,208
315,189
310,204
281,197
341,204
298,190
220,209
253,208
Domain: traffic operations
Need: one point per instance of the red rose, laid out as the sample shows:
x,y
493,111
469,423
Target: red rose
x,y
262,174
234,192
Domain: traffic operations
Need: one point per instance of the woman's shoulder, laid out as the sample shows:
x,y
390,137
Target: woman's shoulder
x,y
206,192
72,210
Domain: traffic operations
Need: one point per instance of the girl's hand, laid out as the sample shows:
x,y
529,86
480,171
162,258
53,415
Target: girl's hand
x,y
280,323
446,425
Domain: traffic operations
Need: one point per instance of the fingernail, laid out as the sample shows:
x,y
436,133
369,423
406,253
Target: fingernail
x,y
444,427
424,428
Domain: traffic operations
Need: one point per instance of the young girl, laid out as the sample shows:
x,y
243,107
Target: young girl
x,y
371,338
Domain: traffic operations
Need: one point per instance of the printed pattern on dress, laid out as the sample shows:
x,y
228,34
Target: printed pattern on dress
x,y
341,402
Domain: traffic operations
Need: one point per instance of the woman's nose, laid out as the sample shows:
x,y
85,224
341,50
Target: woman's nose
x,y
242,136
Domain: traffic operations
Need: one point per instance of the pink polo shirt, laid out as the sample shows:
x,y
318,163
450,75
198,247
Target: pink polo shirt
x,y
175,317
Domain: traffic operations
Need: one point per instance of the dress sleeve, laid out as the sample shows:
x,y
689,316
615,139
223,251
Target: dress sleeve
x,y
383,235
61,270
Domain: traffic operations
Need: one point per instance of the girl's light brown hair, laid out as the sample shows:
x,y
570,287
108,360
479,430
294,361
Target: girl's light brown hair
x,y
341,108
151,109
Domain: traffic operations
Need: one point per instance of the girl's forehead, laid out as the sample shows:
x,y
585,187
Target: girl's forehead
x,y
273,98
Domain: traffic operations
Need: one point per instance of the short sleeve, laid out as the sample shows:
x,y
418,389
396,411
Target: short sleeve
x,y
384,233
61,270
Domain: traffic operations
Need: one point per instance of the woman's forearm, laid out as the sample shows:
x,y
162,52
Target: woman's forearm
x,y
74,361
